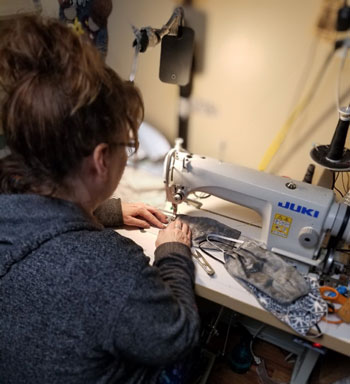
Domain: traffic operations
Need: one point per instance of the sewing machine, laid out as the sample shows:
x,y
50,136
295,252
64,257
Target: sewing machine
x,y
296,216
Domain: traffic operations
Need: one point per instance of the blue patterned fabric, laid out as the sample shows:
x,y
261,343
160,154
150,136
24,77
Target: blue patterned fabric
x,y
279,288
303,314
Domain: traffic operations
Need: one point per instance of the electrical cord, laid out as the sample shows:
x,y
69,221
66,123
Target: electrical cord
x,y
257,359
335,178
281,135
342,182
339,191
305,74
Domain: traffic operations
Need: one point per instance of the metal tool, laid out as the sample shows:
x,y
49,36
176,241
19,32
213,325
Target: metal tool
x,y
170,215
177,47
203,263
332,296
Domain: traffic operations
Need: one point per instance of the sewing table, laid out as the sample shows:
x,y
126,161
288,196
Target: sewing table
x,y
224,290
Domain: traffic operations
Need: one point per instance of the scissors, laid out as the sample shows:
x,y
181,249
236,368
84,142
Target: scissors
x,y
203,263
332,296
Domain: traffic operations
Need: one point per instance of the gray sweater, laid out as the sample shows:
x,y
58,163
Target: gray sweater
x,y
81,304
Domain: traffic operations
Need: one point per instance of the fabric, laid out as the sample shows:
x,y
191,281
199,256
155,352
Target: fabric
x,y
266,271
187,371
202,226
110,213
302,315
176,374
277,285
279,288
81,304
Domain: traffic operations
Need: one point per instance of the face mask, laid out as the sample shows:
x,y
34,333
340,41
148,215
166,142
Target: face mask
x,y
301,315
279,288
277,285
202,226
251,263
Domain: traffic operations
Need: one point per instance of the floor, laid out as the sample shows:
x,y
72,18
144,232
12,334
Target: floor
x,y
332,368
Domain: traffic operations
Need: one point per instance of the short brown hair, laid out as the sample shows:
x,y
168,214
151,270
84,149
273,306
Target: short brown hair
x,y
61,100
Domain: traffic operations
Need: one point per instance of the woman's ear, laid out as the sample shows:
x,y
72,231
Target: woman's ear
x,y
101,160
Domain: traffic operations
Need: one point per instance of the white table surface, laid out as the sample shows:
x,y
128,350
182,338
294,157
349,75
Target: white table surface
x,y
222,288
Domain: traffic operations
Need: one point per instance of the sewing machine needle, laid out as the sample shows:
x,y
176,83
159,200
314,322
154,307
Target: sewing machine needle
x,y
174,206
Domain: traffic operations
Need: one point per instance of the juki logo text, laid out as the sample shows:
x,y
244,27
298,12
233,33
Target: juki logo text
x,y
299,209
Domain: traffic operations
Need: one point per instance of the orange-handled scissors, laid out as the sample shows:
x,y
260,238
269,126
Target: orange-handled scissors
x,y
334,297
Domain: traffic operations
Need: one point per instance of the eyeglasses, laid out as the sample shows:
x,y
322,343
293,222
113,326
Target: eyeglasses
x,y
130,147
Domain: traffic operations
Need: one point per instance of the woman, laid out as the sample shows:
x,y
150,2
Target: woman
x,y
78,302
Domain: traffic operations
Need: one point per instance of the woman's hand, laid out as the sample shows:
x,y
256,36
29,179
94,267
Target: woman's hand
x,y
175,231
142,215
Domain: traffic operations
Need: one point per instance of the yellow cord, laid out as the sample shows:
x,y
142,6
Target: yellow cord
x,y
281,135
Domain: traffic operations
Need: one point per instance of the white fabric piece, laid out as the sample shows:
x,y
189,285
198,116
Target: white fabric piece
x,y
153,144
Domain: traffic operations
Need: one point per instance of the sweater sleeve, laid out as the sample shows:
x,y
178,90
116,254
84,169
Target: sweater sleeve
x,y
159,323
109,213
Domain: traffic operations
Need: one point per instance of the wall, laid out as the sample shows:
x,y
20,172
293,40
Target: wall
x,y
50,7
160,99
255,56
